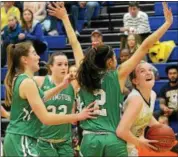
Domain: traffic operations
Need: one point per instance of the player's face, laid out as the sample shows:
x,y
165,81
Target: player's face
x,y
60,66
32,60
144,76
131,41
173,75
73,71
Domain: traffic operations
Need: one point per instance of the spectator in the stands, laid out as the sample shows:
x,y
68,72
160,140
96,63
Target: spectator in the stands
x,y
163,120
133,43
6,10
96,39
32,30
19,4
38,9
9,36
169,95
135,21
90,7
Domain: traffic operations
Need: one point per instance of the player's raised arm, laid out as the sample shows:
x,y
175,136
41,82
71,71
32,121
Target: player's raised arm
x,y
60,12
127,67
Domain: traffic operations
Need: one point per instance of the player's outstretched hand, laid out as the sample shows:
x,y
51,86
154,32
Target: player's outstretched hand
x,y
57,9
167,13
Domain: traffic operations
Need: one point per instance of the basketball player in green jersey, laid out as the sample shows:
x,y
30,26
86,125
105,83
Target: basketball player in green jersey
x,y
99,80
56,140
26,100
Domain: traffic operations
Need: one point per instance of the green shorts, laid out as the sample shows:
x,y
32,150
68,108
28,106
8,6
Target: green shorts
x,y
104,145
18,145
62,149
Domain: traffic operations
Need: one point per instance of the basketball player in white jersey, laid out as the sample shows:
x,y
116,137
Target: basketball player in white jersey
x,y
138,110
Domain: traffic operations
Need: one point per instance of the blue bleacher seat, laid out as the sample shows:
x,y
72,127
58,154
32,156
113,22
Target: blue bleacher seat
x,y
157,107
117,52
2,92
158,85
174,55
157,21
159,9
171,35
3,73
161,68
56,42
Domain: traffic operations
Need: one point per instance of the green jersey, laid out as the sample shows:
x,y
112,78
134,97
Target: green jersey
x,y
108,101
60,104
23,121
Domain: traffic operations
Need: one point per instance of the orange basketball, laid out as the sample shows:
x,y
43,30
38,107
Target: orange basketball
x,y
162,133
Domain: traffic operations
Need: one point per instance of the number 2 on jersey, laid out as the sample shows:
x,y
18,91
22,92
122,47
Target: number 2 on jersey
x,y
101,102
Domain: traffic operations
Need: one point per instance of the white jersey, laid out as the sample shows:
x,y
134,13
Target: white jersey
x,y
142,119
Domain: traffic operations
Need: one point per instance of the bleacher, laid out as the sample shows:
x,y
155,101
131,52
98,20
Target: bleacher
x,y
117,10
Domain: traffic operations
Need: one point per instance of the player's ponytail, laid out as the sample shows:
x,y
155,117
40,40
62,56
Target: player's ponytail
x,y
14,53
94,67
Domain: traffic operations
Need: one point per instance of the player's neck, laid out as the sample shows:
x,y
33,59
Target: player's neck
x,y
56,80
29,73
146,93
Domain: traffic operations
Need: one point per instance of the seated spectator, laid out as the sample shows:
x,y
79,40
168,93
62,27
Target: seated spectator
x,y
32,30
135,21
6,10
169,95
90,8
38,9
133,43
96,39
73,71
163,120
9,36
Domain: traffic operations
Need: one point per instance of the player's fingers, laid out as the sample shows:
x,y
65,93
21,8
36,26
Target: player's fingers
x,y
153,141
91,105
152,147
92,117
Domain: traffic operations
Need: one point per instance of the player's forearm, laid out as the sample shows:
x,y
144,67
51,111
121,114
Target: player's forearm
x,y
57,119
69,30
128,137
52,92
154,37
76,47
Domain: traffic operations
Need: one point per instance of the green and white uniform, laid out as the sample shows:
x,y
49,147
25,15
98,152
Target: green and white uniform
x,y
99,134
56,140
24,127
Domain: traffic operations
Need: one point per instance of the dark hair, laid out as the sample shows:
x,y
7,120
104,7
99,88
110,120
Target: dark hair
x,y
134,4
94,67
51,59
24,24
14,53
171,67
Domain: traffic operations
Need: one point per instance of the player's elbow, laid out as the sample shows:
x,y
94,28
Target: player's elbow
x,y
120,132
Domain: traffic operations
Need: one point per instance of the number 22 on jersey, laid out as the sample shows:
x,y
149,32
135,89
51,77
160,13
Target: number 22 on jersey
x,y
62,109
